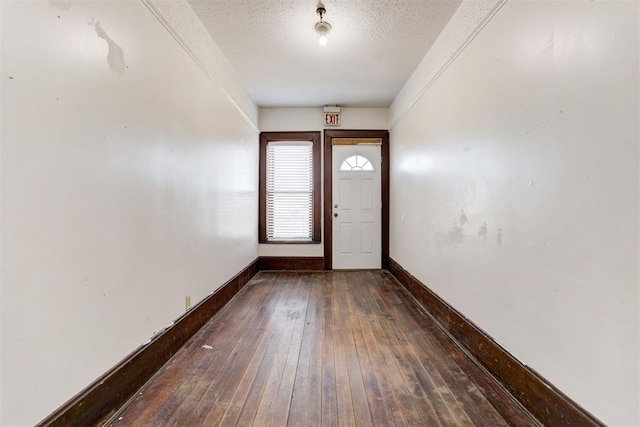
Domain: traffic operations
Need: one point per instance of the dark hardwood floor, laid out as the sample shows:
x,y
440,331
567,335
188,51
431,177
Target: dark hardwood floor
x,y
322,348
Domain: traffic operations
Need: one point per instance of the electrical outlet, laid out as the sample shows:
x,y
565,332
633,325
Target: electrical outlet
x,y
187,303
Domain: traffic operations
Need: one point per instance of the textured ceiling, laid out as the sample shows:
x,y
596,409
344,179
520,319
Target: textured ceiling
x,y
374,46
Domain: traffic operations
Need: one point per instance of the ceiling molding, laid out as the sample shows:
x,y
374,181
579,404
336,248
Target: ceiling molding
x,y
464,26
181,22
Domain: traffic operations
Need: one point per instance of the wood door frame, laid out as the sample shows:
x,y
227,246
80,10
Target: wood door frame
x,y
329,134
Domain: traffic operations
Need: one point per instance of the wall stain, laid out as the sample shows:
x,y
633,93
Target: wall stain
x,y
456,235
61,4
483,231
115,57
499,237
463,218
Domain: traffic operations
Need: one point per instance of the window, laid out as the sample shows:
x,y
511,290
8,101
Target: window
x,y
289,187
356,163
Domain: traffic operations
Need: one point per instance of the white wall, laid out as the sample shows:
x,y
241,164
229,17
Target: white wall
x,y
533,132
310,119
129,180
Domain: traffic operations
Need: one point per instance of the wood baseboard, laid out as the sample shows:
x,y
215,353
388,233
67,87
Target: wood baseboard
x,y
545,402
107,394
291,263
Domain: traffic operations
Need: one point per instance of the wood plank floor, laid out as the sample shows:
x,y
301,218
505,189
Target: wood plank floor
x,y
322,348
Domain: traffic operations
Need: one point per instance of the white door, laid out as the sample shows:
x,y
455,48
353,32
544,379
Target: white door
x,y
357,207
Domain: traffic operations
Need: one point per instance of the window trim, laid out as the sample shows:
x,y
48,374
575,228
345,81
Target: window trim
x,y
265,138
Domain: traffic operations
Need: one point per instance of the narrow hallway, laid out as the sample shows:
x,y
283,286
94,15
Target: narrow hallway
x,y
322,348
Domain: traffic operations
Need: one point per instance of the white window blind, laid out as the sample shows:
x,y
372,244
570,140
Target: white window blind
x,y
289,191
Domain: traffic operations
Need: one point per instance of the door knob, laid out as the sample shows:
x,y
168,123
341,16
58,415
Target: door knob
x,y
335,215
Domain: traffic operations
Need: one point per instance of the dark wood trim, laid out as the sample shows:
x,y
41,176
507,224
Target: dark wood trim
x,y
265,138
291,263
548,404
386,164
317,192
112,390
262,190
327,210
328,194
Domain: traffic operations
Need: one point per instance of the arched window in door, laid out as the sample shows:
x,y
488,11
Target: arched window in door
x,y
356,163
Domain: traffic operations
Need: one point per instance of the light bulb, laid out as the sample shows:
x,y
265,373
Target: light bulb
x,y
323,28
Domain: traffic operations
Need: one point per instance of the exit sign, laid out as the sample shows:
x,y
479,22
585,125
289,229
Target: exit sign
x,y
332,119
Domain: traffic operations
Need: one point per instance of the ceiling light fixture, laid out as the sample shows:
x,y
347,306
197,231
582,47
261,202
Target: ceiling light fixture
x,y
322,27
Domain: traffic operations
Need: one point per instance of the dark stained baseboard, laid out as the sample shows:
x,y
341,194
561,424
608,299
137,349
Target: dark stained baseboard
x,y
111,391
548,404
291,263
107,394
